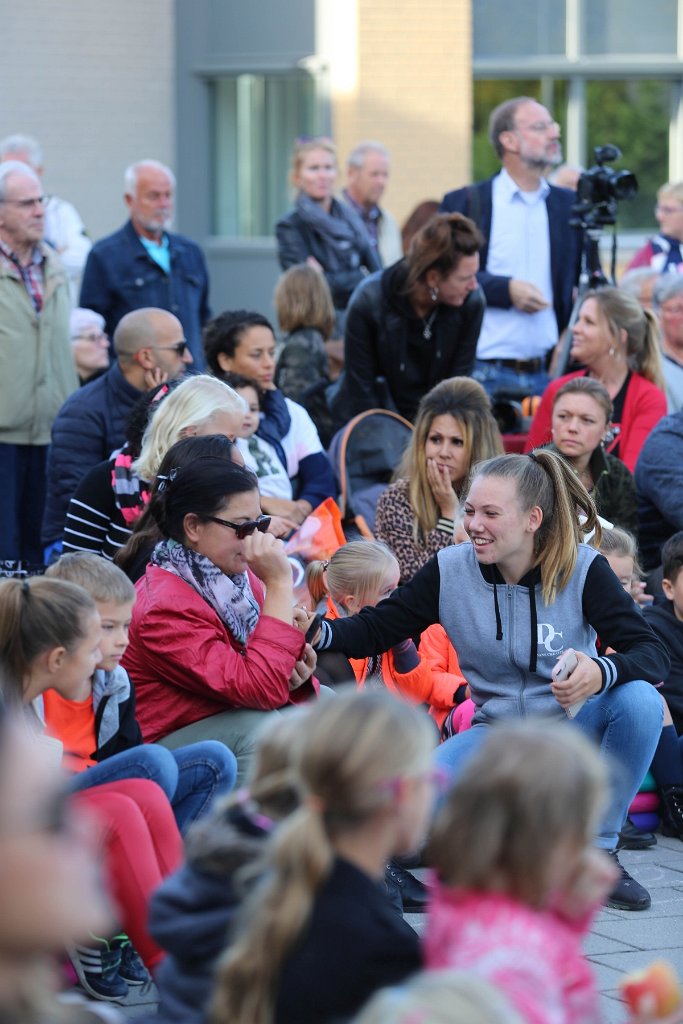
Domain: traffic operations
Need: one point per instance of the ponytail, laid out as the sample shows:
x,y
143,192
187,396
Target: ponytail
x,y
37,615
315,580
355,749
545,480
357,568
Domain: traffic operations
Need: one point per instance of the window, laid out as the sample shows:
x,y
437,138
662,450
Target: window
x,y
255,120
607,69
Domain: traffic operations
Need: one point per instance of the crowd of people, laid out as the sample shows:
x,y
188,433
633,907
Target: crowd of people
x,y
214,784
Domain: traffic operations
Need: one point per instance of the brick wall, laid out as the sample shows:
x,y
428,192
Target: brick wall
x,y
413,93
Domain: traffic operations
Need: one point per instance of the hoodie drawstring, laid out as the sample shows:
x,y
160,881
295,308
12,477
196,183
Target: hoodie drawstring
x,y
533,615
499,623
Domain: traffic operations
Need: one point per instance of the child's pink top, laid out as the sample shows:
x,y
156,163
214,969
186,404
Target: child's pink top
x,y
533,957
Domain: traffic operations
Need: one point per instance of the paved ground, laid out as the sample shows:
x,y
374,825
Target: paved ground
x,y
621,941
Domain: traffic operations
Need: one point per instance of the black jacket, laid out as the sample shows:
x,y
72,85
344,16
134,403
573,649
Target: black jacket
x,y
297,240
385,338
89,427
354,944
669,629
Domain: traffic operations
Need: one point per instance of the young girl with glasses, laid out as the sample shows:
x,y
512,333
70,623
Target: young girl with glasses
x,y
210,651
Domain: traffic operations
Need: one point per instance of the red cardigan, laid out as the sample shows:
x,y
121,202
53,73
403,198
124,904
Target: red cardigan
x,y
186,666
644,406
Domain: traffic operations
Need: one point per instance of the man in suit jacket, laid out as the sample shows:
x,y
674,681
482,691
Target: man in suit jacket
x,y
530,262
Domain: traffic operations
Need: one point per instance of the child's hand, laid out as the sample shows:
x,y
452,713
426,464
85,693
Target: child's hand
x,y
595,877
638,593
585,680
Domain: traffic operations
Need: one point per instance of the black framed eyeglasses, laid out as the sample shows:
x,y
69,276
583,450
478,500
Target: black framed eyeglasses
x,y
243,530
178,348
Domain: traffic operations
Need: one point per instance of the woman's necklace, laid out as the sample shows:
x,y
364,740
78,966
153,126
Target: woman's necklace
x,y
427,322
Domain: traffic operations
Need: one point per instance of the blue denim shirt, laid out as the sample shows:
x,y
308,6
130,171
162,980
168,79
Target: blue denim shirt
x,y
120,275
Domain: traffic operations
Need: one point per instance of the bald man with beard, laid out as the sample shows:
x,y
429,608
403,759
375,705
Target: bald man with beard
x,y
150,348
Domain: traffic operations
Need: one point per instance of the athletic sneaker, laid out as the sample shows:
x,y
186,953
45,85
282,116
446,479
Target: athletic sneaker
x,y
627,894
132,969
98,969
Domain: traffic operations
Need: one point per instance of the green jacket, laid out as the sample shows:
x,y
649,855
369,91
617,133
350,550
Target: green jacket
x,y
37,372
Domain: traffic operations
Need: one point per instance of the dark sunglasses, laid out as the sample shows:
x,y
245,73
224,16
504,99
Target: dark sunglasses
x,y
243,530
178,348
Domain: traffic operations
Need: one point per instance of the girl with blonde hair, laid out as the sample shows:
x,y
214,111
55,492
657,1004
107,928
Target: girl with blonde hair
x,y
521,596
518,881
618,342
318,936
417,514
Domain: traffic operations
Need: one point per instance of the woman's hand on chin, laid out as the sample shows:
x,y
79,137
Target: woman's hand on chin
x,y
303,669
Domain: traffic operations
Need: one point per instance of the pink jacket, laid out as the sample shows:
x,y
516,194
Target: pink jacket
x,y
533,957
186,666
644,407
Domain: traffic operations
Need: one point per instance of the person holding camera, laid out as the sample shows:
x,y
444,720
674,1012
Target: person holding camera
x,y
617,341
531,257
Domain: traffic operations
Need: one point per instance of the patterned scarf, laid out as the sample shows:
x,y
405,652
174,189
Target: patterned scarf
x,y
230,597
131,494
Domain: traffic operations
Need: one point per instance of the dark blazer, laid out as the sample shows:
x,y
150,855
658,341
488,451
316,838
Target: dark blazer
x,y
120,275
475,201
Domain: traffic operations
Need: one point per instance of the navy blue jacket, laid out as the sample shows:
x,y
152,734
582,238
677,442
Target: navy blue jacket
x,y
120,275
659,486
475,201
89,427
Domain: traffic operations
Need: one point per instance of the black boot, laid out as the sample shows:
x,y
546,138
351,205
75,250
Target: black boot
x,y
672,811
633,838
405,888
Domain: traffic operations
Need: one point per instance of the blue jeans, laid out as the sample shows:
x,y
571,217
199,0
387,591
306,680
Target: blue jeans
x,y
625,720
503,382
190,776
22,500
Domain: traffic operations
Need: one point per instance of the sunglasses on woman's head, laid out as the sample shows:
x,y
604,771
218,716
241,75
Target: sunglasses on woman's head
x,y
243,530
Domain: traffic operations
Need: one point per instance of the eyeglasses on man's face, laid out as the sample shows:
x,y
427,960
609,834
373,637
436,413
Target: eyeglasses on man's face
x,y
179,348
243,530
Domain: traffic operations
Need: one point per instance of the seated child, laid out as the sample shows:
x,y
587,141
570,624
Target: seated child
x,y
259,455
100,735
666,619
518,879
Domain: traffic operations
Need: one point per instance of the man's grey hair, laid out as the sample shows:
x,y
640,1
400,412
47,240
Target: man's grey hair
x,y
22,144
358,153
634,280
10,167
130,176
502,119
668,286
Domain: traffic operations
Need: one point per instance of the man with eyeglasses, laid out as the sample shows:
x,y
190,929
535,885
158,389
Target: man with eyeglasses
x,y
150,348
36,368
530,260
146,264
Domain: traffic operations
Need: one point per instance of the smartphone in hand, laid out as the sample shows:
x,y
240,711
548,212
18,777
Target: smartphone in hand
x,y
562,670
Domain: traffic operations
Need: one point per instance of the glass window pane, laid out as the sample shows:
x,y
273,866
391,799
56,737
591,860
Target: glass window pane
x,y
552,93
634,115
514,28
629,26
255,121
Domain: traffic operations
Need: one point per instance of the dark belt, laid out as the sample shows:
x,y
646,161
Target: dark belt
x,y
520,365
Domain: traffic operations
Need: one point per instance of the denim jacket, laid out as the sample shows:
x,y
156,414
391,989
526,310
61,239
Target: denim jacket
x,y
120,275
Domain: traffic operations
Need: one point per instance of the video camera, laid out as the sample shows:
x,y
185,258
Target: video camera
x,y
600,188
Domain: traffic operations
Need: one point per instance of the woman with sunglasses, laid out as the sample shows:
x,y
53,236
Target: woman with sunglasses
x,y
209,650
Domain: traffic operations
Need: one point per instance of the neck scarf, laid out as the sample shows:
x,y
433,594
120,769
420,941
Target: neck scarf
x,y
344,233
131,494
231,597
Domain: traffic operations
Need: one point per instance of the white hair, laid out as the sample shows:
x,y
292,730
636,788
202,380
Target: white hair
x,y
358,153
130,176
10,167
193,403
22,144
81,319
668,286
